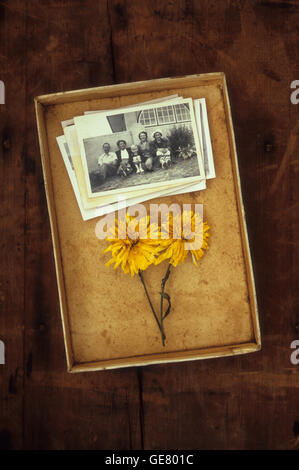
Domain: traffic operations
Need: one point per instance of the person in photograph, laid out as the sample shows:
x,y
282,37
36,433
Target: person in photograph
x,y
137,161
124,153
158,142
144,151
124,158
107,162
164,157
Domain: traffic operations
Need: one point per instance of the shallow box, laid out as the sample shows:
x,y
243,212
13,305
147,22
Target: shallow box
x,y
106,320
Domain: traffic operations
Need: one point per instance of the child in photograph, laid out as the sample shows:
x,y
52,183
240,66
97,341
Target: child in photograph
x,y
163,154
137,159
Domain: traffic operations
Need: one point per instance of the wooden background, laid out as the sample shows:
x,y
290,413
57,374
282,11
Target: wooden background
x,y
247,402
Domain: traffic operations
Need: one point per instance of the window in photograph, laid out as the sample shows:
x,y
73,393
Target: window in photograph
x,y
182,112
147,117
165,115
117,122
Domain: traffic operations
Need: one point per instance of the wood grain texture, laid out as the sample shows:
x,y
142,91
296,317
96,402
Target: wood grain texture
x,y
12,243
243,402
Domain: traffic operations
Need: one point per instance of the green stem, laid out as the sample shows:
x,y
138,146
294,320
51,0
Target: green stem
x,y
151,305
163,282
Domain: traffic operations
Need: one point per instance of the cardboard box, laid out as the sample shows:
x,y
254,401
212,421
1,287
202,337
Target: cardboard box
x,y
106,320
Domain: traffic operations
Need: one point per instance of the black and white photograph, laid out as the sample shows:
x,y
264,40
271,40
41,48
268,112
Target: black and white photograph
x,y
148,146
201,114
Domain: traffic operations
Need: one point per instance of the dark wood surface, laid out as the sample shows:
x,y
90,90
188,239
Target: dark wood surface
x,y
246,402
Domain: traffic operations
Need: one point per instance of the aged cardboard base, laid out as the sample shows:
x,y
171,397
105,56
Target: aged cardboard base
x,y
107,321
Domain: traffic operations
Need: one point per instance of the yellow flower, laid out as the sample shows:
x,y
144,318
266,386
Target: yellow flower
x,y
128,251
174,247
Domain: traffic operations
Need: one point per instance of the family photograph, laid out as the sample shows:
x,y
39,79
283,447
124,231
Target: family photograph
x,y
145,146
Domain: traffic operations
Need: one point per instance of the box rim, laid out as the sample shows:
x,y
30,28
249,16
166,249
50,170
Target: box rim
x,y
146,360
130,87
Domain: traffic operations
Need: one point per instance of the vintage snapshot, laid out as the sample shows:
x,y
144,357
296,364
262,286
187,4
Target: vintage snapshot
x,y
91,213
205,139
65,152
132,194
107,199
147,146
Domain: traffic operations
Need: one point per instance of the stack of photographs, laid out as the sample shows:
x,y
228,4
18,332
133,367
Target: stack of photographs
x,y
118,158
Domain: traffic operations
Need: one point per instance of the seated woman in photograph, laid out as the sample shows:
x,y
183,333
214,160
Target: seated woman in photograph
x,y
144,151
158,142
124,158
107,162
